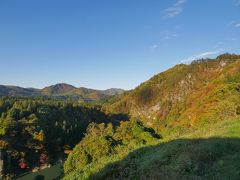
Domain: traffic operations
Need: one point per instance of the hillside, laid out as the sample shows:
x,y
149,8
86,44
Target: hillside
x,y
17,91
212,152
60,91
184,125
191,94
57,90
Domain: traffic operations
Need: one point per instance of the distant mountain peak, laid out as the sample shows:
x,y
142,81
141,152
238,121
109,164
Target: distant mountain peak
x,y
113,91
62,85
56,89
60,90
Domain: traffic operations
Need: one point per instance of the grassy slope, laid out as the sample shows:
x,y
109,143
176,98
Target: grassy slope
x,y
55,172
211,154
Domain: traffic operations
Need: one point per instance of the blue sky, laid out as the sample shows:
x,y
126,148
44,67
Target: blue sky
x,y
110,43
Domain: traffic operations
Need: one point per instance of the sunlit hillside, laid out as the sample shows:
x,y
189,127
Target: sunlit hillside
x,y
184,124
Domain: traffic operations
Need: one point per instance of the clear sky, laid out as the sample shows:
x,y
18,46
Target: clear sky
x,y
110,43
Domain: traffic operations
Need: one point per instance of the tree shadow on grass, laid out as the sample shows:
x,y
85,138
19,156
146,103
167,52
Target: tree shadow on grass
x,y
39,177
213,158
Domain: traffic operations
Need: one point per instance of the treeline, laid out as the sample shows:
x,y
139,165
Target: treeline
x,y
36,131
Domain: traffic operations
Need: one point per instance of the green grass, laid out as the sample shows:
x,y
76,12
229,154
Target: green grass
x,y
227,128
213,158
53,173
215,155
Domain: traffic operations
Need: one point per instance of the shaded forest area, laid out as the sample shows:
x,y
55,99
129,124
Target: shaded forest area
x,y
35,132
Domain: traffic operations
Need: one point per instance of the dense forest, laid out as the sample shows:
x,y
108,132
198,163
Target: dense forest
x,y
35,132
182,123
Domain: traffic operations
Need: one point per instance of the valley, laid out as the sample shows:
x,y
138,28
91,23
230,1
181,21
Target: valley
x,y
119,90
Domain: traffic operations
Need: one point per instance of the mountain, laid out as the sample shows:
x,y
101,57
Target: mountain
x,y
184,124
61,91
17,91
57,90
113,91
185,95
69,91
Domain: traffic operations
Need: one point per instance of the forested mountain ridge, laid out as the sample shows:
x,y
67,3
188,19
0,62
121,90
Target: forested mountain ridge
x,y
184,124
185,92
17,91
57,89
60,91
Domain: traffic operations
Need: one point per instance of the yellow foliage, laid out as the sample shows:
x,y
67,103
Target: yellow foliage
x,y
3,144
39,136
